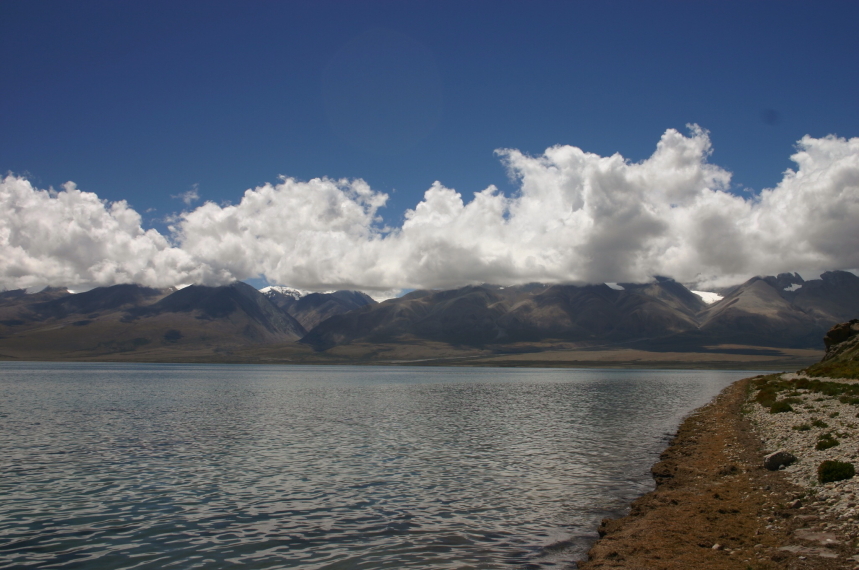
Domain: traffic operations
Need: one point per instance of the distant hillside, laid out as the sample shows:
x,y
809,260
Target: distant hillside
x,y
130,318
229,323
772,311
310,309
784,309
237,303
482,315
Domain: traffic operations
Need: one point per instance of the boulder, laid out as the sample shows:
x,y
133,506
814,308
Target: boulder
x,y
779,459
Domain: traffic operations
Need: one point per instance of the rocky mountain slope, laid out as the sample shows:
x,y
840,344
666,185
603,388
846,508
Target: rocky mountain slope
x,y
129,318
781,311
785,308
310,309
772,311
480,315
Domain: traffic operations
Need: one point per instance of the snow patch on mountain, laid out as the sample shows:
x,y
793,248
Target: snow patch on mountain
x,y
273,290
708,296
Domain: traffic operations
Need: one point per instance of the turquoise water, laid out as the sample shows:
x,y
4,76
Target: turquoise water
x,y
212,466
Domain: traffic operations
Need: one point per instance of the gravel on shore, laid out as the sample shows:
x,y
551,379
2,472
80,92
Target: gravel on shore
x,y
816,416
716,505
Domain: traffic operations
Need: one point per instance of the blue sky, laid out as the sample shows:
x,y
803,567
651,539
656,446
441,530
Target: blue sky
x,y
144,101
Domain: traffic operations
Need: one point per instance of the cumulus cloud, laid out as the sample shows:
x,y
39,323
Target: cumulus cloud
x,y
576,217
316,235
72,238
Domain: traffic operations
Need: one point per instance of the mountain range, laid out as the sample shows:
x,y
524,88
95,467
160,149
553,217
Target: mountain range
x,y
228,323
765,311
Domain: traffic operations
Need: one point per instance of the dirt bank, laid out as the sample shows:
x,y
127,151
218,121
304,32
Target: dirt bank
x,y
715,506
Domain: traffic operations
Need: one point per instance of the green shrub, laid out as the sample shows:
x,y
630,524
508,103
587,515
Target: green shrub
x,y
838,369
826,441
820,424
802,427
766,397
780,407
833,415
771,385
829,471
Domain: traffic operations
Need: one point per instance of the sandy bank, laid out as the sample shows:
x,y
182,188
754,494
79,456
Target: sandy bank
x,y
715,506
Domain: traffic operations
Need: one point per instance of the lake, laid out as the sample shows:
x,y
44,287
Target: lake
x,y
323,467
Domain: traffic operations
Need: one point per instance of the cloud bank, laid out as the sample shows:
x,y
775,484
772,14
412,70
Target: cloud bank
x,y
576,217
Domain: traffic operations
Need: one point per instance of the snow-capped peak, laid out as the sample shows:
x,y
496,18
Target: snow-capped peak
x,y
273,290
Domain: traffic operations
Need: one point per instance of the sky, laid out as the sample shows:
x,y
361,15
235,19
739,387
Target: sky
x,y
386,146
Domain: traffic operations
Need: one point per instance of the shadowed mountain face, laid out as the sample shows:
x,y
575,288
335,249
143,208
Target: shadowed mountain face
x,y
780,311
784,309
130,318
773,311
312,309
493,315
217,303
97,300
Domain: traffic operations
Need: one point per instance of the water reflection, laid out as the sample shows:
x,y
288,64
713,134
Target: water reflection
x,y
145,466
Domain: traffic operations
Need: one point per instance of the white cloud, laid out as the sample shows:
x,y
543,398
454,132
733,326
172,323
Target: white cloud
x,y
72,238
190,196
315,235
577,217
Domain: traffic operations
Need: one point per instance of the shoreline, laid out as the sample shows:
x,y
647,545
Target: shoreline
x,y
590,359
715,506
576,365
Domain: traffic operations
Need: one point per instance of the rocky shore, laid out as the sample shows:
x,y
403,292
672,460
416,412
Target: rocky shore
x,y
762,477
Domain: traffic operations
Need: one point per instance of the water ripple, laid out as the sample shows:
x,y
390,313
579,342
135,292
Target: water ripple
x,y
199,466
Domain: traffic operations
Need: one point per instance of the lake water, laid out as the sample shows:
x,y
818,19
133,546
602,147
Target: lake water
x,y
214,466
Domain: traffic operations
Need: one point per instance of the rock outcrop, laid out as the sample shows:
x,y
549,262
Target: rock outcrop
x,y
841,339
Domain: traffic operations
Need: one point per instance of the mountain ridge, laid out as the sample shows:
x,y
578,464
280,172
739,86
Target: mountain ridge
x,y
763,310
229,321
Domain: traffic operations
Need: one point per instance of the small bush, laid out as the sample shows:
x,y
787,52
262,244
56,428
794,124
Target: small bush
x,y
833,415
802,427
766,397
780,407
826,441
829,471
820,424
